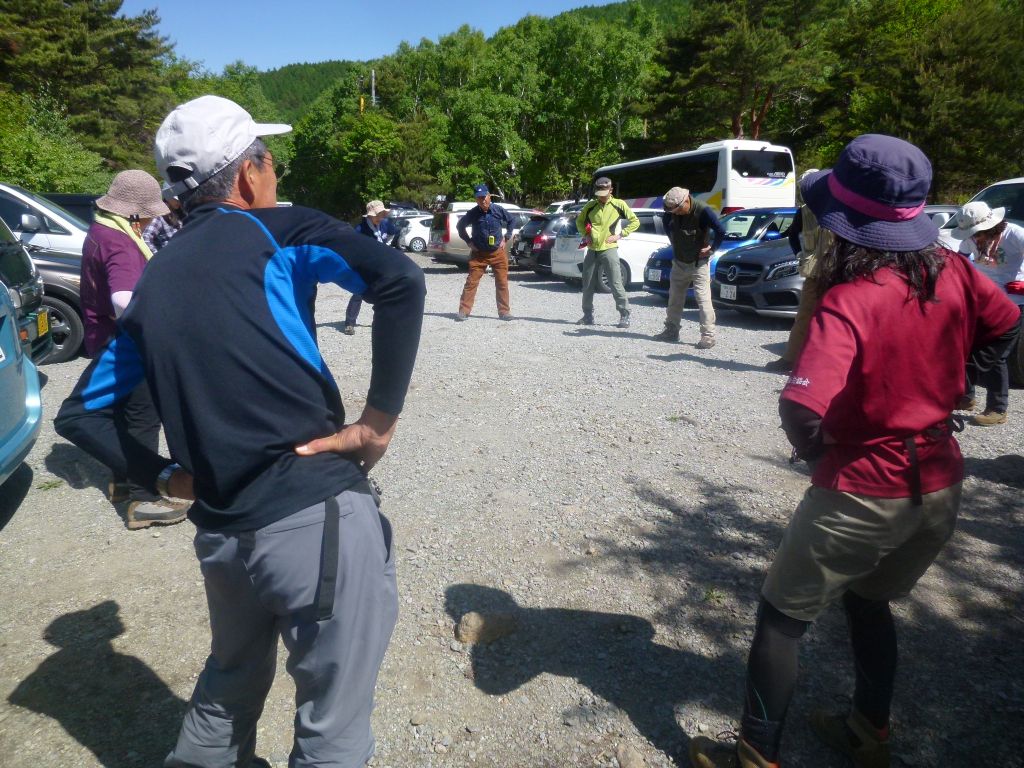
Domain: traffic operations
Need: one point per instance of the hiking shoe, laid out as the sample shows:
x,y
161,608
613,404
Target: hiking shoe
x,y
669,334
586,320
779,366
506,316
142,514
706,753
349,330
965,404
854,736
989,418
461,317
117,492
623,320
706,342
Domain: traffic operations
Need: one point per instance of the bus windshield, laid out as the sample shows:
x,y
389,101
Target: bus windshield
x,y
761,164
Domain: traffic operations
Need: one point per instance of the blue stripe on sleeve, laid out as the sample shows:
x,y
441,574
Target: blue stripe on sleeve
x,y
288,301
330,267
118,371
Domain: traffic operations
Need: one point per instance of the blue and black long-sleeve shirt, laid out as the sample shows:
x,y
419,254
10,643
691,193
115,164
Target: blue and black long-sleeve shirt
x,y
490,227
220,327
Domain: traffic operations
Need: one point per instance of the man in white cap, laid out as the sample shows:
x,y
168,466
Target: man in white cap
x,y
289,537
370,225
997,248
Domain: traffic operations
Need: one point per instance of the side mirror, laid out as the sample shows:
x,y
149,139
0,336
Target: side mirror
x,y
772,234
30,223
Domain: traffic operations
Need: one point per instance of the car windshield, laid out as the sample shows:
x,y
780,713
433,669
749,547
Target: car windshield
x,y
15,267
553,208
53,208
1009,196
744,226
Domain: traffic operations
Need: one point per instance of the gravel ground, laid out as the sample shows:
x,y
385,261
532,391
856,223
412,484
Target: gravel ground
x,y
617,497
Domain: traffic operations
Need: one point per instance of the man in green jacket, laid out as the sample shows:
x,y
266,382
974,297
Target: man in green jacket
x,y
598,220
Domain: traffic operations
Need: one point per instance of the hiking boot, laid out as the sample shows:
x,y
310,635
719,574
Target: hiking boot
x,y
623,320
506,316
668,334
779,366
854,736
461,317
586,320
142,514
349,330
705,753
965,403
989,418
117,492
706,342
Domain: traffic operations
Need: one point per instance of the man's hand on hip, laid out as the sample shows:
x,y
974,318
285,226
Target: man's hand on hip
x,y
364,441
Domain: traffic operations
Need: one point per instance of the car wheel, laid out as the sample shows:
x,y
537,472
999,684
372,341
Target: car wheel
x,y
605,285
66,328
1016,364
418,245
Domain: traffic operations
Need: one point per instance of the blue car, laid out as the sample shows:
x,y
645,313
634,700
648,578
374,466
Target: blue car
x,y
746,227
21,408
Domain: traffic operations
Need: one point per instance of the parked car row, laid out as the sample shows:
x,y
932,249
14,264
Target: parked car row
x,y
21,408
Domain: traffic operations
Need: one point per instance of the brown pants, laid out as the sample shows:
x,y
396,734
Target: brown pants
x,y
478,263
809,298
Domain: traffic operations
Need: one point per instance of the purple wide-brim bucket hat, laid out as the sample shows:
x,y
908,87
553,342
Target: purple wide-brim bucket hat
x,y
875,194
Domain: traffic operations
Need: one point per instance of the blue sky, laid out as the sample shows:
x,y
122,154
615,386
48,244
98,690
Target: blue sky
x,y
268,35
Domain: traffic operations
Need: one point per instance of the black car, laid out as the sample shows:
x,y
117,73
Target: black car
x,y
537,237
25,287
82,205
763,279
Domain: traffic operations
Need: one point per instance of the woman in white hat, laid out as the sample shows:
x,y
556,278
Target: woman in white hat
x,y
997,248
113,258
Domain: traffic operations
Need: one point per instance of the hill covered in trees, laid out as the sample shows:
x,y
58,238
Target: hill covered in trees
x,y
534,108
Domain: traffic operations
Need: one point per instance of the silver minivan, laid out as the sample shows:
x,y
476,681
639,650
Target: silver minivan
x,y
54,239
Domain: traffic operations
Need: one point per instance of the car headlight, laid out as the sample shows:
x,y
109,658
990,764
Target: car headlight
x,y
783,269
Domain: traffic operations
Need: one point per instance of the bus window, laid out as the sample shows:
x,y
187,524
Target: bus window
x,y
761,164
698,173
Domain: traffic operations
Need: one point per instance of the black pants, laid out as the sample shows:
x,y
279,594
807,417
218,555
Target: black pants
x,y
136,416
988,367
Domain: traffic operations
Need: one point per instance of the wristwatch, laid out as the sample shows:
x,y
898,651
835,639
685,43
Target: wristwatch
x,y
165,477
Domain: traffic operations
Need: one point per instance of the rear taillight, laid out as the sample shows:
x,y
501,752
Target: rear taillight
x,y
539,242
731,209
447,236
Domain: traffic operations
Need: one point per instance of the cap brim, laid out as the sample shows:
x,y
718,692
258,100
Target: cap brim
x,y
602,192
272,129
911,235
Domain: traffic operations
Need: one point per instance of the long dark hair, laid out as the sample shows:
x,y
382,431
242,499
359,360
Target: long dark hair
x,y
844,262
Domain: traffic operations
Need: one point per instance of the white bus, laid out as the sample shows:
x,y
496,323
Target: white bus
x,y
727,175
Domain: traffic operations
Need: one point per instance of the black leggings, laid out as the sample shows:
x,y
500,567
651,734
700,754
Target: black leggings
x,y
772,668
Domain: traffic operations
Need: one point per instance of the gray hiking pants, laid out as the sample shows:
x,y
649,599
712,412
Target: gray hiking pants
x,y
272,582
592,265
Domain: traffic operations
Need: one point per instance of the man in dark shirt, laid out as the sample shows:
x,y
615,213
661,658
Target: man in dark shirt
x,y
688,223
289,537
492,228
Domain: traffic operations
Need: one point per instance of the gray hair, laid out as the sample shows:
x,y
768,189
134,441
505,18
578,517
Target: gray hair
x,y
219,186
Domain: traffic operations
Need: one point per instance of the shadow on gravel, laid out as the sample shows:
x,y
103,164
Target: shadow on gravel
x,y
515,318
710,362
1005,470
960,687
113,704
76,468
13,492
614,655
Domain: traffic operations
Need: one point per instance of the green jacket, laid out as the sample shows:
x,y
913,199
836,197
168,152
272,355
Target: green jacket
x,y
602,218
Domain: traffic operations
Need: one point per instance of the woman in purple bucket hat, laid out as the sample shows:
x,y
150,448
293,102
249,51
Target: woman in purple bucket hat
x,y
869,406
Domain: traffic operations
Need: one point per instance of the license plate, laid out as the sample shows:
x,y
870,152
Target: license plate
x,y
654,275
729,292
43,323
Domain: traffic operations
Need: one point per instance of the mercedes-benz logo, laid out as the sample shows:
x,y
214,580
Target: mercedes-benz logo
x,y
732,273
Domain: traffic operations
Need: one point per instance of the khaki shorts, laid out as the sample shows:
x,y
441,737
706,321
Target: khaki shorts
x,y
878,548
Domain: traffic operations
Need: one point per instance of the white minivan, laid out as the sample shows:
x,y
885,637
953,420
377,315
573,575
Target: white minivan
x,y
634,250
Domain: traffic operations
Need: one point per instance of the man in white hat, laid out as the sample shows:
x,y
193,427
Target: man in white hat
x,y
996,247
370,225
289,536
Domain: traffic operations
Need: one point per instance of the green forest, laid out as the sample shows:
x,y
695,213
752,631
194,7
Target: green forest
x,y
535,108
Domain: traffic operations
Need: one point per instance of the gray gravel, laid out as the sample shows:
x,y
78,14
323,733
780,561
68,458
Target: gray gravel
x,y
615,499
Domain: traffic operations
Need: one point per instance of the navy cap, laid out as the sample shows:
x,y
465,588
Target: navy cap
x,y
481,190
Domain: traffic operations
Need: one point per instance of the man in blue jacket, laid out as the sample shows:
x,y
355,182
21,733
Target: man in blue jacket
x,y
371,225
289,537
492,229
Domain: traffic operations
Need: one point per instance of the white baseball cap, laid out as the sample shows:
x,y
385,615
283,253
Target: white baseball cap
x,y
205,135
